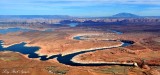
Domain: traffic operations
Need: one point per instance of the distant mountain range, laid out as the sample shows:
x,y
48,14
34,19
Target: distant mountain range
x,y
119,15
127,15
37,16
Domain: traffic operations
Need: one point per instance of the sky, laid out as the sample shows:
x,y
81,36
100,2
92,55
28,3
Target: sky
x,y
92,8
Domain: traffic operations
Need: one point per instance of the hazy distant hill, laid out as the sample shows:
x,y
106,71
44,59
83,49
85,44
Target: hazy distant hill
x,y
36,16
119,15
123,15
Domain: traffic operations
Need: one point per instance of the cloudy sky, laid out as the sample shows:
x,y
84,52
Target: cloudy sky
x,y
79,7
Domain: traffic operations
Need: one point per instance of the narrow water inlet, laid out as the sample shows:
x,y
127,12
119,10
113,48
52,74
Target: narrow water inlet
x,y
66,59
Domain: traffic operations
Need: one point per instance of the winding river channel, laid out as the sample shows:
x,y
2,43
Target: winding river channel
x,y
65,59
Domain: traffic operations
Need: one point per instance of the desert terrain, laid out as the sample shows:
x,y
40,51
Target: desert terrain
x,y
58,44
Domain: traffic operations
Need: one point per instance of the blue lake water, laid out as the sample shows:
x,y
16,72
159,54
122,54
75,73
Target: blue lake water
x,y
78,38
12,30
8,30
20,48
66,59
72,24
117,32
